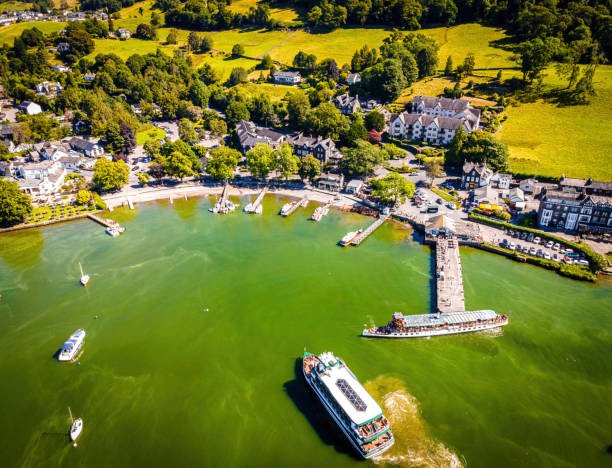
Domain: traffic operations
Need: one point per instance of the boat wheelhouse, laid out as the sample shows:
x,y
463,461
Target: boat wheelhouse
x,y
423,325
70,348
349,404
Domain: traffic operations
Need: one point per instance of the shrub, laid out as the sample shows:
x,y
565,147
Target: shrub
x,y
98,202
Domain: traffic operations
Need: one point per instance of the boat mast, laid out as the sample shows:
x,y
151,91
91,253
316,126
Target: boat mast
x,y
81,268
71,418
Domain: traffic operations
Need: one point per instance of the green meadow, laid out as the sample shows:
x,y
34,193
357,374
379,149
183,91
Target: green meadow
x,y
10,32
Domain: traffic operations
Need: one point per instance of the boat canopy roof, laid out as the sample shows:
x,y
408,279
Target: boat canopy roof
x,y
450,318
356,402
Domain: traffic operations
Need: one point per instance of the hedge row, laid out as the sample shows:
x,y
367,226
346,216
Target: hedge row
x,y
577,272
596,261
498,214
402,144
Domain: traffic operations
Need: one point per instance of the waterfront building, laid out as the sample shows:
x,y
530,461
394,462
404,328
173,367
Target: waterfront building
x,y
330,182
354,186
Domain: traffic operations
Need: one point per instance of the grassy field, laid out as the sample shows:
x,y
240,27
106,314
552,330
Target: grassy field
x,y
149,133
126,48
275,92
131,17
224,65
552,140
13,5
10,32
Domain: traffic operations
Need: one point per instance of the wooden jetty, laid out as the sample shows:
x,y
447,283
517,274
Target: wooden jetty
x,y
294,206
370,229
449,278
99,220
253,207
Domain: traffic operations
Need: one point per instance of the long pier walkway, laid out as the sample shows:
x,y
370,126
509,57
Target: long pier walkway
x,y
449,277
370,229
252,207
99,220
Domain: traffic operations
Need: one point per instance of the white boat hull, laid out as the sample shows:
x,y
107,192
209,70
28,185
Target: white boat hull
x,y
69,354
85,280
436,332
338,422
76,429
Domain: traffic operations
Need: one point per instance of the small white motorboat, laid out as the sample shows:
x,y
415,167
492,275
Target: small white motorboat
x,y
76,428
84,277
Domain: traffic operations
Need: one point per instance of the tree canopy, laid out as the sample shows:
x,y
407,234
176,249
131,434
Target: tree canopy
x,y
260,160
222,163
14,204
393,188
109,175
362,159
309,168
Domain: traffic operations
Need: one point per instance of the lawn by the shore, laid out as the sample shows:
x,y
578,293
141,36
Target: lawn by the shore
x,y
551,140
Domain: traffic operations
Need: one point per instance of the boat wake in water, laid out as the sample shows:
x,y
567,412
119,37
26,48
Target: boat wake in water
x,y
413,447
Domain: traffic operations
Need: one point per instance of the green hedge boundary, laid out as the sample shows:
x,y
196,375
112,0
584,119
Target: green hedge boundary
x,y
577,272
596,261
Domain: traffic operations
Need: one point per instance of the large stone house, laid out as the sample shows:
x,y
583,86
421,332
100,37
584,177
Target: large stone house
x,y
435,120
88,148
476,175
49,89
348,104
353,78
577,204
41,178
287,77
445,107
321,148
52,150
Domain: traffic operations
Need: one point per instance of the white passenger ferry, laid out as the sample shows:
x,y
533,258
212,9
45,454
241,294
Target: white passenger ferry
x,y
424,325
71,347
349,404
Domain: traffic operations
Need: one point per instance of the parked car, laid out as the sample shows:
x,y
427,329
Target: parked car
x,y
532,251
556,246
547,255
555,257
525,249
549,244
439,201
582,262
432,209
540,253
537,240
523,235
505,243
530,238
568,260
511,232
512,246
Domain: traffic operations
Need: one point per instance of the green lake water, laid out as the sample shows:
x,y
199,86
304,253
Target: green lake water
x,y
191,360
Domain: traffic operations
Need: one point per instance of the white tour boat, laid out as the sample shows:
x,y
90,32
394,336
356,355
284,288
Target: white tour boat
x,y
349,404
450,323
287,207
84,278
348,238
70,348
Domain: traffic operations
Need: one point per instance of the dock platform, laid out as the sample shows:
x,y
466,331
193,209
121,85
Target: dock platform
x,y
99,220
253,207
449,277
295,206
370,229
